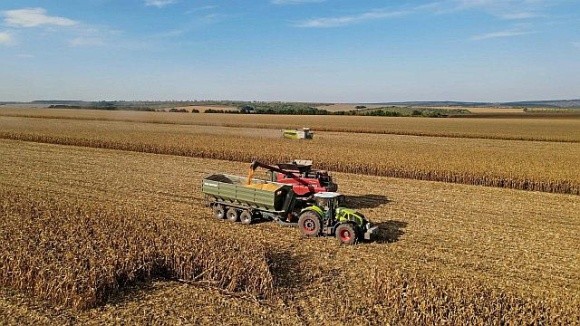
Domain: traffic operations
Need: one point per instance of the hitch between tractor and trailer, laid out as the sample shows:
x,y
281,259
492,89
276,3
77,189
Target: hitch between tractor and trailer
x,y
371,232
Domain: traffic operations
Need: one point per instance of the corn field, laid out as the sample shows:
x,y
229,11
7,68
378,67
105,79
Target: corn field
x,y
548,168
394,297
105,232
78,255
563,129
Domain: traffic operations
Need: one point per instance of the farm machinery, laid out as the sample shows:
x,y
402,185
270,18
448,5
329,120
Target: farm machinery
x,y
304,180
305,133
245,200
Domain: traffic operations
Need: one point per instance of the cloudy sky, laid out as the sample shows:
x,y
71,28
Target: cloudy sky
x,y
299,50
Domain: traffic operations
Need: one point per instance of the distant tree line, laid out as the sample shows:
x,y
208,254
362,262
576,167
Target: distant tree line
x,y
257,107
306,110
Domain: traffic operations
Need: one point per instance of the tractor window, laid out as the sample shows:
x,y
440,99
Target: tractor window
x,y
323,203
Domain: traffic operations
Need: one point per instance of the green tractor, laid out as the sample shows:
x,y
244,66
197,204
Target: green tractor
x,y
325,217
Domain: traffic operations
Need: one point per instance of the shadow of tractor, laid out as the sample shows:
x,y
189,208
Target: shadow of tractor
x,y
366,201
390,231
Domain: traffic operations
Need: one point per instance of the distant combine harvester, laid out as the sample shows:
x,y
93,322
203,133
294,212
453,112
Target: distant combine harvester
x,y
305,133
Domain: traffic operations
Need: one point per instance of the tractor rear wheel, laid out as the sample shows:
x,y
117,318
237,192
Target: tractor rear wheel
x,y
232,214
218,212
346,233
309,224
246,217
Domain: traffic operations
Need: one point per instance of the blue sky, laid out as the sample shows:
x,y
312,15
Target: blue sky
x,y
295,50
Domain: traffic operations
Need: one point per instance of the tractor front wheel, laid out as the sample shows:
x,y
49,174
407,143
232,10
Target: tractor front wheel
x,y
309,224
346,233
232,214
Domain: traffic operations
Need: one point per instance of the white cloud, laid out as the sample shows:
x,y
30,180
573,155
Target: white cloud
x,y
202,8
33,17
159,3
519,15
503,9
5,38
349,20
294,2
500,34
86,41
506,9
498,3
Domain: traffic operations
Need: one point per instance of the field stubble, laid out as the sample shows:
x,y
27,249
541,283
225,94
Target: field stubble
x,y
449,252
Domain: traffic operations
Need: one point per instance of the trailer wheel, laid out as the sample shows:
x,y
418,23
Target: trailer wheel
x,y
218,212
309,224
232,214
246,217
346,233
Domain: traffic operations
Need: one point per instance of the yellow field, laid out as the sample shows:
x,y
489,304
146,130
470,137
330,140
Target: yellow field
x,y
78,254
528,165
565,129
98,228
446,251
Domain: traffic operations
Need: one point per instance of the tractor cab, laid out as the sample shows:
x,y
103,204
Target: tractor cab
x,y
328,201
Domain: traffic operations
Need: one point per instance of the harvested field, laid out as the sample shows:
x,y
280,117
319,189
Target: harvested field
x,y
453,253
565,129
526,165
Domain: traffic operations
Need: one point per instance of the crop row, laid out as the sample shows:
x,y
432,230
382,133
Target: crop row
x,y
394,297
456,254
553,172
534,129
79,254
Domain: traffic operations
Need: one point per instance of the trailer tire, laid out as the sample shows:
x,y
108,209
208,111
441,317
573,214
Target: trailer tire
x,y
346,233
246,217
219,212
309,224
232,214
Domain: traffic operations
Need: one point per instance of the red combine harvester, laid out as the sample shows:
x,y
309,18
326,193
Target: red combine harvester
x,y
305,181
